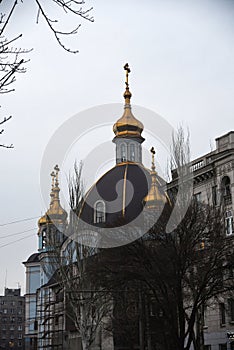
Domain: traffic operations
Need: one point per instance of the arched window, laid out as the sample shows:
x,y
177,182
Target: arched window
x,y
123,152
132,153
43,239
226,190
99,212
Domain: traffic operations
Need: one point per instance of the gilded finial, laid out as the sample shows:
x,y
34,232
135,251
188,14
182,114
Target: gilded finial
x,y
56,168
53,176
128,125
127,68
153,160
156,197
55,214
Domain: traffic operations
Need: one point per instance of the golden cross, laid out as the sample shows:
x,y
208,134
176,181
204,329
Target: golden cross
x,y
127,68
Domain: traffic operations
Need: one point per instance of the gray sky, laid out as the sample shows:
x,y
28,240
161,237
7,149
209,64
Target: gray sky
x,y
181,54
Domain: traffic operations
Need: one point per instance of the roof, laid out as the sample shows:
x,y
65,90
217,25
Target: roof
x,y
122,190
33,258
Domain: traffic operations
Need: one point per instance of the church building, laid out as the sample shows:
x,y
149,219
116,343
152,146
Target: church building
x,y
120,200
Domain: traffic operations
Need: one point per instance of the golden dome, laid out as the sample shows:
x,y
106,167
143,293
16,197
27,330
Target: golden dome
x,y
43,220
128,125
156,198
55,214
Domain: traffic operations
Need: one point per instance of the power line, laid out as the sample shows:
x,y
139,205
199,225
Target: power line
x,y
20,239
15,222
17,233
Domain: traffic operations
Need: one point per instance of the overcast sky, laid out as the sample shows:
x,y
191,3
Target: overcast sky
x,y
181,55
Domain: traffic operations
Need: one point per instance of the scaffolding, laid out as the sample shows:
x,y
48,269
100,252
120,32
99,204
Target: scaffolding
x,y
50,315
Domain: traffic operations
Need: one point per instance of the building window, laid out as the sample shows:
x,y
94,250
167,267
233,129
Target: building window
x,y
35,325
197,197
223,346
56,321
123,152
99,212
229,223
231,309
230,270
19,336
207,347
226,190
132,153
214,195
222,315
153,308
20,328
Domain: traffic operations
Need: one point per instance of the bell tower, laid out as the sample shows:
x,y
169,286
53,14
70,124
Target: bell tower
x,y
53,223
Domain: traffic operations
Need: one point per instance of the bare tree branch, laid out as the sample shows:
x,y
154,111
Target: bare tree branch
x,y
11,61
68,7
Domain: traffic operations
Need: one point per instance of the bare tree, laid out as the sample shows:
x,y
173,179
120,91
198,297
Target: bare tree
x,y
12,59
180,273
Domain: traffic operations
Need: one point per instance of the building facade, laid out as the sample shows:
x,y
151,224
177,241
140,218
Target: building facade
x,y
213,183
12,326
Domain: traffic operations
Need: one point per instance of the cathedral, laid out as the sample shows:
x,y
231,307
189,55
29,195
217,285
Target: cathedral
x,y
119,205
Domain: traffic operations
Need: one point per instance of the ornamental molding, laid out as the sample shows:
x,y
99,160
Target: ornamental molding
x,y
225,168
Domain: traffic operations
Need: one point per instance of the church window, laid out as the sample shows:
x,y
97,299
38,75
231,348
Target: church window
x,y
99,212
231,309
123,152
222,314
43,239
132,152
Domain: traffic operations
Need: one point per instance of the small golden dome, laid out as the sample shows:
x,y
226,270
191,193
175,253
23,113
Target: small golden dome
x,y
156,198
128,125
43,220
55,214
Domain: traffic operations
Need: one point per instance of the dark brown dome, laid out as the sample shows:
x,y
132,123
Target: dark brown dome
x,y
121,191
